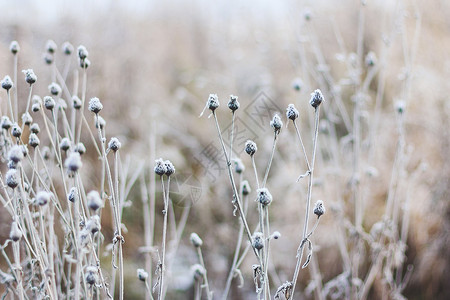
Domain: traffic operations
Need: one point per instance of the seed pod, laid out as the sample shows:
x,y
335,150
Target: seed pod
x,y
11,178
16,131
51,46
84,63
297,84
27,119
316,98
12,165
30,77
72,196
170,169
15,234
292,112
258,240
319,208
238,166
400,106
276,123
64,145
94,200
76,102
250,147
213,102
100,122
198,271
82,52
246,189
49,102
276,235
34,128
7,83
80,148
48,58
91,275
14,47
95,105
15,154
42,198
263,196
93,224
73,162
371,59
6,123
114,144
33,140
84,238
142,275
196,240
46,153
67,48
54,89
233,104
160,167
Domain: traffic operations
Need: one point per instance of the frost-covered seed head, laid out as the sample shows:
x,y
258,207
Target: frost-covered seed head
x,y
233,104
30,77
15,234
26,118
34,128
319,208
84,238
15,154
250,147
33,140
276,123
276,235
91,275
72,196
114,144
64,145
371,59
400,106
142,275
213,102
297,84
35,107
7,83
76,102
263,196
49,102
170,169
42,198
11,178
46,153
291,112
95,105
6,123
84,63
54,89
51,46
93,224
14,47
258,240
48,58
12,165
62,105
80,148
316,98
16,131
100,122
82,52
238,166
196,240
160,167
307,14
246,189
67,48
73,162
198,271
94,200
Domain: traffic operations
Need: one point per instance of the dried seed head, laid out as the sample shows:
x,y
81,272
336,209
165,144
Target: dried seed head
x,y
276,123
80,148
233,104
142,275
33,140
82,52
114,144
263,196
276,235
34,128
371,59
307,14
15,234
67,48
250,147
246,189
49,102
84,238
94,200
46,153
316,98
213,102
64,145
42,198
11,178
30,77
400,106
15,154
238,166
319,208
54,89
14,47
297,84
100,122
72,196
76,102
196,240
6,123
84,63
12,165
7,83
95,105
93,224
170,169
35,107
291,112
91,275
26,118
51,46
73,162
62,105
198,271
160,167
16,131
258,240
48,58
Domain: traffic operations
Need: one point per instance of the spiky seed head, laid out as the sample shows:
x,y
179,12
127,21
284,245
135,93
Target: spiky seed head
x,y
15,234
91,275
16,131
297,84
64,145
94,200
33,140
170,169
95,105
246,189
160,167
49,102
7,83
54,89
196,240
250,147
6,123
93,224
72,196
316,98
238,166
67,48
14,47
276,123
142,275
82,52
263,196
80,148
319,208
34,128
30,77
213,102
15,153
198,271
258,240
233,104
292,112
73,162
42,198
11,178
114,144
76,102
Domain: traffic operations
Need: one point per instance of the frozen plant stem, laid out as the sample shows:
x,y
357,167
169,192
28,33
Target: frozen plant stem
x,y
163,247
308,203
270,160
205,277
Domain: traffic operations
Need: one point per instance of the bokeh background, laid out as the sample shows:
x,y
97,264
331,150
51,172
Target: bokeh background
x,y
154,63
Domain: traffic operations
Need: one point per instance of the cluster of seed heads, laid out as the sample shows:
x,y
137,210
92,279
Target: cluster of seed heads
x,y
164,167
263,196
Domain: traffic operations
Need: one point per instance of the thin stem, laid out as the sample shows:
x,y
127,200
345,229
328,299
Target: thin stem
x,y
163,247
301,143
205,276
256,172
270,160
